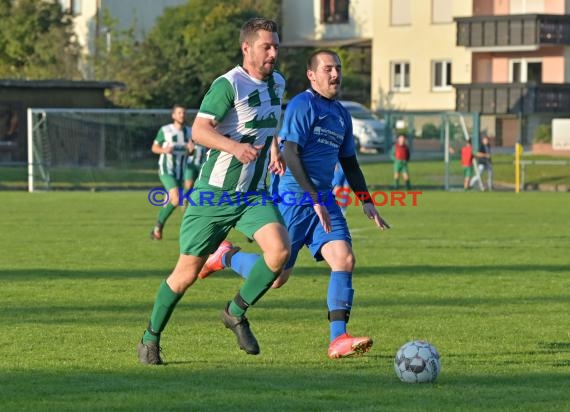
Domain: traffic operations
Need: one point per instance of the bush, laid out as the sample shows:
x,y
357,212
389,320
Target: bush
x,y
430,131
542,134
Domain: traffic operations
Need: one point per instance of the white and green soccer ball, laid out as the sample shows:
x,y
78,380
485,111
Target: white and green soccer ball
x,y
417,362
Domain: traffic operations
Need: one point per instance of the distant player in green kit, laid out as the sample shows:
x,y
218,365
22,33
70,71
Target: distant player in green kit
x,y
173,143
237,121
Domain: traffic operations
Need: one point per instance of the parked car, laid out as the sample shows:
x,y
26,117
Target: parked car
x,y
369,131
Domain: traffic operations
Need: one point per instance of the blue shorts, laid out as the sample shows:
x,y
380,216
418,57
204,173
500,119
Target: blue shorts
x,y
305,228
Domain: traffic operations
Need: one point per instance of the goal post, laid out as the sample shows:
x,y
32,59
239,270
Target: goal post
x,y
453,142
93,148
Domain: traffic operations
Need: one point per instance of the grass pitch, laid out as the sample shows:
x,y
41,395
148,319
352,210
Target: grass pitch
x,y
485,277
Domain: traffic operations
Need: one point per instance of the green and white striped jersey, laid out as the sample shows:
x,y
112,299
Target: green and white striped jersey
x,y
247,110
198,157
175,162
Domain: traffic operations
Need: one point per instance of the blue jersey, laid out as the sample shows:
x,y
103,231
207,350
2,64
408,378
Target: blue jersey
x,y
323,130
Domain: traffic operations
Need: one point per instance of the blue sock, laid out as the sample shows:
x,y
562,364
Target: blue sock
x,y
339,297
242,263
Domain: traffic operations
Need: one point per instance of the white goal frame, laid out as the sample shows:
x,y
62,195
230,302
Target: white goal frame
x,y
39,167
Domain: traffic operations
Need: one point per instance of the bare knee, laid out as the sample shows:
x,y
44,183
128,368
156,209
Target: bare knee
x,y
179,281
185,273
174,197
174,200
276,258
350,262
274,242
344,262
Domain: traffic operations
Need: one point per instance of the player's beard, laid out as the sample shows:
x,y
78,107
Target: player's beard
x,y
327,89
334,91
266,69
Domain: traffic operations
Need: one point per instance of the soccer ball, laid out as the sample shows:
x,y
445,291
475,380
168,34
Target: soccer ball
x,y
417,362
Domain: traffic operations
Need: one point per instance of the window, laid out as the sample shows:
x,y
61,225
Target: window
x,y
65,5
334,11
71,6
525,70
400,12
400,76
526,6
75,7
442,11
441,75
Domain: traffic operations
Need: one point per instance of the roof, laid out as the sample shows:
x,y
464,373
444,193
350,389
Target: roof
x,y
60,84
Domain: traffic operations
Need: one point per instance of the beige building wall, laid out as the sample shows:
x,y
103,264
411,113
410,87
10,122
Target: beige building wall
x,y
420,42
302,22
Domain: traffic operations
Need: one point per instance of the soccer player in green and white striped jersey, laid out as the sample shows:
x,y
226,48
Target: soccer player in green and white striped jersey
x,y
237,121
173,142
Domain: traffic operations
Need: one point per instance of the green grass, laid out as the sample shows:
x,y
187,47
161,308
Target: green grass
x,y
483,276
425,173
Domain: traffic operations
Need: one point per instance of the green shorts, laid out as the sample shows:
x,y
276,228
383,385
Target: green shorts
x,y
211,214
191,172
467,171
400,166
170,182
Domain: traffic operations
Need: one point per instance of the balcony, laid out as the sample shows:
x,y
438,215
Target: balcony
x,y
513,32
513,98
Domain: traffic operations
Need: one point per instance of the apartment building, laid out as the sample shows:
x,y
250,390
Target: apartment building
x,y
520,74
508,60
414,56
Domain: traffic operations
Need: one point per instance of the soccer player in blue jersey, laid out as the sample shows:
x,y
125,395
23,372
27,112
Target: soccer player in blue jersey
x,y
316,134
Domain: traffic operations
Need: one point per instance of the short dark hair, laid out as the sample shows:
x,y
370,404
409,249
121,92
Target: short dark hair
x,y
177,106
252,26
312,60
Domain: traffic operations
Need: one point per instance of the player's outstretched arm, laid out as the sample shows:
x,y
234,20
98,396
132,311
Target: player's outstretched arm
x,y
204,133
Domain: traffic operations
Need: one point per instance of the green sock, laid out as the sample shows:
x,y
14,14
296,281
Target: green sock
x,y
396,184
408,184
257,283
165,213
164,305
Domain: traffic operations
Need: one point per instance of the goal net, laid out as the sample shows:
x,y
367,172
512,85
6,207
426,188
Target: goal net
x,y
436,139
93,148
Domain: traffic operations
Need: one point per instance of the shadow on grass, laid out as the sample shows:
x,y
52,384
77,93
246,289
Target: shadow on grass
x,y
410,271
260,387
274,309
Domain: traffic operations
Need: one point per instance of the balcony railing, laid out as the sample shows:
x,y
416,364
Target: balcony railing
x,y
513,98
513,31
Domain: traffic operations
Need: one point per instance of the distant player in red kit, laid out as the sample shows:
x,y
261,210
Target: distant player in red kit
x,y
467,163
401,155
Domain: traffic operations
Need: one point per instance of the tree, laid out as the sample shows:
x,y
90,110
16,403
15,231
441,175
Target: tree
x,y
37,41
189,47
